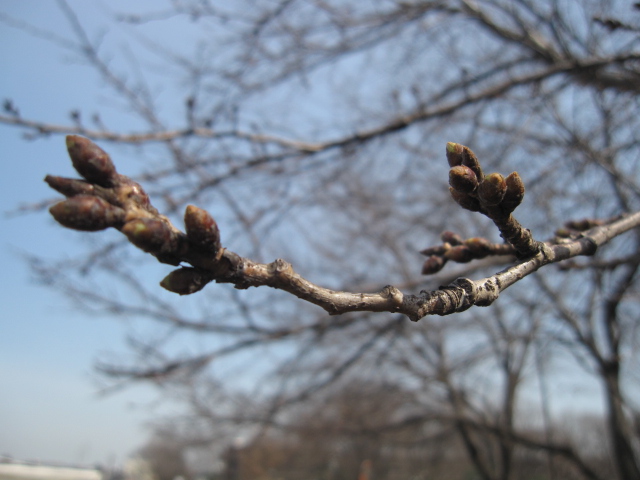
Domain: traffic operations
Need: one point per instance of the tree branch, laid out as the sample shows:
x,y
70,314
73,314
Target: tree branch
x,y
108,199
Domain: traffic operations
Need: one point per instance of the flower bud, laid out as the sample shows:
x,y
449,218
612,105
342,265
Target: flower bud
x,y
433,265
454,154
437,250
202,229
151,235
87,213
91,161
478,246
514,194
450,237
466,201
463,179
491,191
185,281
470,160
460,254
69,187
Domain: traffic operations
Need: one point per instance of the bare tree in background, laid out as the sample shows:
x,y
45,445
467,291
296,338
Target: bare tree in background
x,y
315,131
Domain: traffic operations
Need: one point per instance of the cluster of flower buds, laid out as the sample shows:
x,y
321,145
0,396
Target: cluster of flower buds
x,y
203,238
85,209
107,199
458,250
491,194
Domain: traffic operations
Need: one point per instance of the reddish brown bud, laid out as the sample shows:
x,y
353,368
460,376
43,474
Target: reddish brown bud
x,y
69,187
433,265
479,247
202,229
151,235
185,281
491,191
454,154
514,194
470,160
91,161
437,250
460,254
87,213
463,179
465,201
450,237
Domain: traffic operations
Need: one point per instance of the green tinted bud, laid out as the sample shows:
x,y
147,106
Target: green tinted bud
x,y
454,154
151,235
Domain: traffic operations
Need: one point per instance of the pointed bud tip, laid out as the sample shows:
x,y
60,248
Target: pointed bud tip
x,y
453,147
202,230
184,281
91,161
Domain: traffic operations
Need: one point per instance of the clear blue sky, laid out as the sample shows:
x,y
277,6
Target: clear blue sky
x,y
49,406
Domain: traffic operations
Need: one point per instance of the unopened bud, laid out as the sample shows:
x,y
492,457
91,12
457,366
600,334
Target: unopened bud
x,y
491,191
470,160
202,229
69,187
437,250
433,265
454,154
185,281
460,254
466,201
463,179
514,194
479,247
91,161
450,237
87,213
151,235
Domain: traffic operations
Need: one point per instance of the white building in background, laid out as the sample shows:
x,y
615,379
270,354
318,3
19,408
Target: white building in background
x,y
26,471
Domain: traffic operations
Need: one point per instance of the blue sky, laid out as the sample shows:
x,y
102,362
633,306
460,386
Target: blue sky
x,y
49,405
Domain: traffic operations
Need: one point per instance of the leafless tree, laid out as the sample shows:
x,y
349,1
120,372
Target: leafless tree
x,y
315,131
